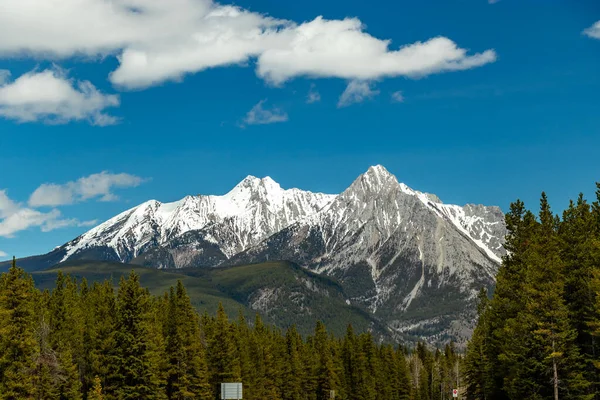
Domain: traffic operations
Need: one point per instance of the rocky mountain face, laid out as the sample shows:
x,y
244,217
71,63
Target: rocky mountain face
x,y
403,255
411,261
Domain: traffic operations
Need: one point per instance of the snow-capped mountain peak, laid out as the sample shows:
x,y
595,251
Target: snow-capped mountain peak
x,y
254,209
482,224
376,178
250,190
257,208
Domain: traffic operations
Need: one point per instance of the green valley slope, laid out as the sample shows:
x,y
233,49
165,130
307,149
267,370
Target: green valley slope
x,y
283,293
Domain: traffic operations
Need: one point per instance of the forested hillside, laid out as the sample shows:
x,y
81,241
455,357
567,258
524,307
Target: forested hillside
x,y
282,293
81,341
539,335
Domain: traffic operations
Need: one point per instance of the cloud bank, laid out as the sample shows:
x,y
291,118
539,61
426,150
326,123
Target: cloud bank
x,y
163,40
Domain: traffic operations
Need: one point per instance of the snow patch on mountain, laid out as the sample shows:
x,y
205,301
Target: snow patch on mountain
x,y
252,210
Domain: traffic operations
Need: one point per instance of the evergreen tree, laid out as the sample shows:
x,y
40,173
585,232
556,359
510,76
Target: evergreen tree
x,y
18,346
46,361
66,336
69,385
246,361
477,365
350,363
310,363
294,373
265,364
402,375
95,392
223,359
501,318
133,375
99,331
327,378
187,376
580,251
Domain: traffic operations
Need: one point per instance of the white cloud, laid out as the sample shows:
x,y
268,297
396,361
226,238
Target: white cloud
x,y
262,116
161,40
15,218
357,92
51,97
25,218
3,254
334,48
397,97
4,75
593,31
313,95
7,206
94,186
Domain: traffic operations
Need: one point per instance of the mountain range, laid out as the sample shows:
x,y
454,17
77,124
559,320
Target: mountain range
x,y
412,262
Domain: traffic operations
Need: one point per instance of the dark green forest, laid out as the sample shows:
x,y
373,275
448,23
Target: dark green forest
x,y
80,341
539,335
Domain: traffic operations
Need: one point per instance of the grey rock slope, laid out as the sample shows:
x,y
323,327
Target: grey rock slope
x,y
403,255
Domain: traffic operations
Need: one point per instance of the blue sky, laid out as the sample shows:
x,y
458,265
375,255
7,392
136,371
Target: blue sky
x,y
515,113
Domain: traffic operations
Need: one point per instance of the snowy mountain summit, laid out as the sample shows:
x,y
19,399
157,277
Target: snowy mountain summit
x,y
252,211
400,254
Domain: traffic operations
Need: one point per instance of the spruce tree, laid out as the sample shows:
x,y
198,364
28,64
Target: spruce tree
x,y
327,378
69,384
99,333
187,375
310,364
222,355
66,335
265,363
580,252
501,319
403,375
18,346
95,392
477,365
294,373
246,361
46,360
133,375
349,362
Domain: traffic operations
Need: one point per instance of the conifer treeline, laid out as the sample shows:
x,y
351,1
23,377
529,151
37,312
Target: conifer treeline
x,y
83,341
539,335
